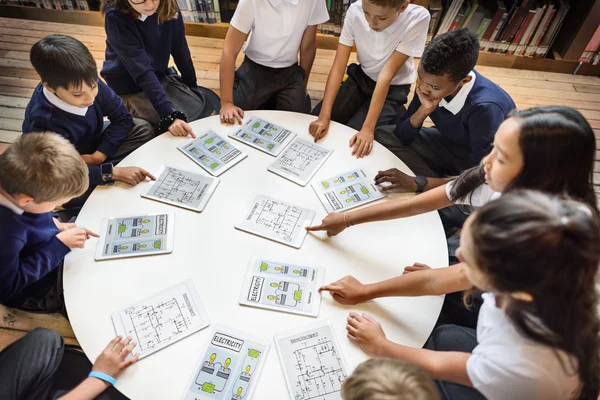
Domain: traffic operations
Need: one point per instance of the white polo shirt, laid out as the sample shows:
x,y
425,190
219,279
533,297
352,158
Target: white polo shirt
x,y
458,101
407,35
276,28
479,197
506,365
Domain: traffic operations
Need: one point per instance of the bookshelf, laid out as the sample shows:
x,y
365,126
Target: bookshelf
x,y
564,47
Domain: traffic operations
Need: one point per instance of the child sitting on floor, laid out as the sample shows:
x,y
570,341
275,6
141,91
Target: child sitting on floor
x,y
40,171
141,37
73,102
536,258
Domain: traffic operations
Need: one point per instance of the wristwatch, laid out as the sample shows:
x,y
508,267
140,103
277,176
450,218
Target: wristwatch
x,y
421,182
106,173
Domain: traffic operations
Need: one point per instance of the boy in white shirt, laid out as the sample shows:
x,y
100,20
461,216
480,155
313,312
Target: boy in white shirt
x,y
387,34
270,75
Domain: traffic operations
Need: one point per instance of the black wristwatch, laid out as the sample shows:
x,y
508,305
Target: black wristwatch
x,y
421,182
106,173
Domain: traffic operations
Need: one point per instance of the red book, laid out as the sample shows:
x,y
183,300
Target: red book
x,y
484,43
493,24
521,32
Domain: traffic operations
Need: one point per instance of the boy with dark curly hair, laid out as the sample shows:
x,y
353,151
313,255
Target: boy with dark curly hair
x,y
465,107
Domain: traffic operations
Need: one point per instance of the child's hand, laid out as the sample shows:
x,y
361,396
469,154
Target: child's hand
x,y
415,268
94,159
112,360
131,175
63,226
362,142
230,114
400,182
75,237
181,128
427,105
319,128
347,291
333,223
366,333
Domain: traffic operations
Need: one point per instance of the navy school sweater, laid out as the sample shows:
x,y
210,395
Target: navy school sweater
x,y
138,52
87,132
473,127
29,250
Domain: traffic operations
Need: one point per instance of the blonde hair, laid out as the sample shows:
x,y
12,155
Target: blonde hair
x,y
44,166
388,379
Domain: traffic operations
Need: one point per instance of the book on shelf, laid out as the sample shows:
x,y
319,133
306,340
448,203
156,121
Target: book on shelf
x,y
436,10
592,50
516,27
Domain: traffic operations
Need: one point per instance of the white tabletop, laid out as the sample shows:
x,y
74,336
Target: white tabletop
x,y
210,251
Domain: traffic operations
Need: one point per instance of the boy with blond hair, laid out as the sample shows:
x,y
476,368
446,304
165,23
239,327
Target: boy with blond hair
x,y
388,379
40,171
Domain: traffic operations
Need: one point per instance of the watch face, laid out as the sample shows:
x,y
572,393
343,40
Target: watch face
x,y
106,169
421,180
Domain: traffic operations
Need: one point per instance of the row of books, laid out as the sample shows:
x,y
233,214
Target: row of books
x,y
591,53
51,4
208,11
521,27
337,12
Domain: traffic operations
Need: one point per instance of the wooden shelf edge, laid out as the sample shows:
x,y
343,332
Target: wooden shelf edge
x,y
328,42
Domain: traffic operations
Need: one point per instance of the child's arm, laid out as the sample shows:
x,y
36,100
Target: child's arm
x,y
319,128
137,63
428,282
403,183
308,51
362,142
20,269
181,53
121,123
234,40
483,123
111,362
367,334
432,200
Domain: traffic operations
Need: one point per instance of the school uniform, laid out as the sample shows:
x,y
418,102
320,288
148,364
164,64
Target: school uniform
x,y
504,364
454,310
40,366
270,76
406,35
136,67
85,127
30,257
463,131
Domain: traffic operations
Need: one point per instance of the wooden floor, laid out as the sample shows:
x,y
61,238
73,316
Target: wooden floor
x,y
18,79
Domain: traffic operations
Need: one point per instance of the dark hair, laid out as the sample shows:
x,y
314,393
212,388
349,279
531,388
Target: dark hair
x,y
388,3
63,61
167,9
559,148
530,242
454,53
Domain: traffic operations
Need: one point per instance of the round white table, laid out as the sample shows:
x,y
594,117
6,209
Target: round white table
x,y
210,251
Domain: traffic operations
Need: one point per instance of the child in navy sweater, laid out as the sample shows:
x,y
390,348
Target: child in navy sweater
x,y
72,102
39,172
141,36
466,109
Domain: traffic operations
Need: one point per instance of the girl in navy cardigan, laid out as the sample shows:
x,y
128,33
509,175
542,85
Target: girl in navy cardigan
x,y
141,36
